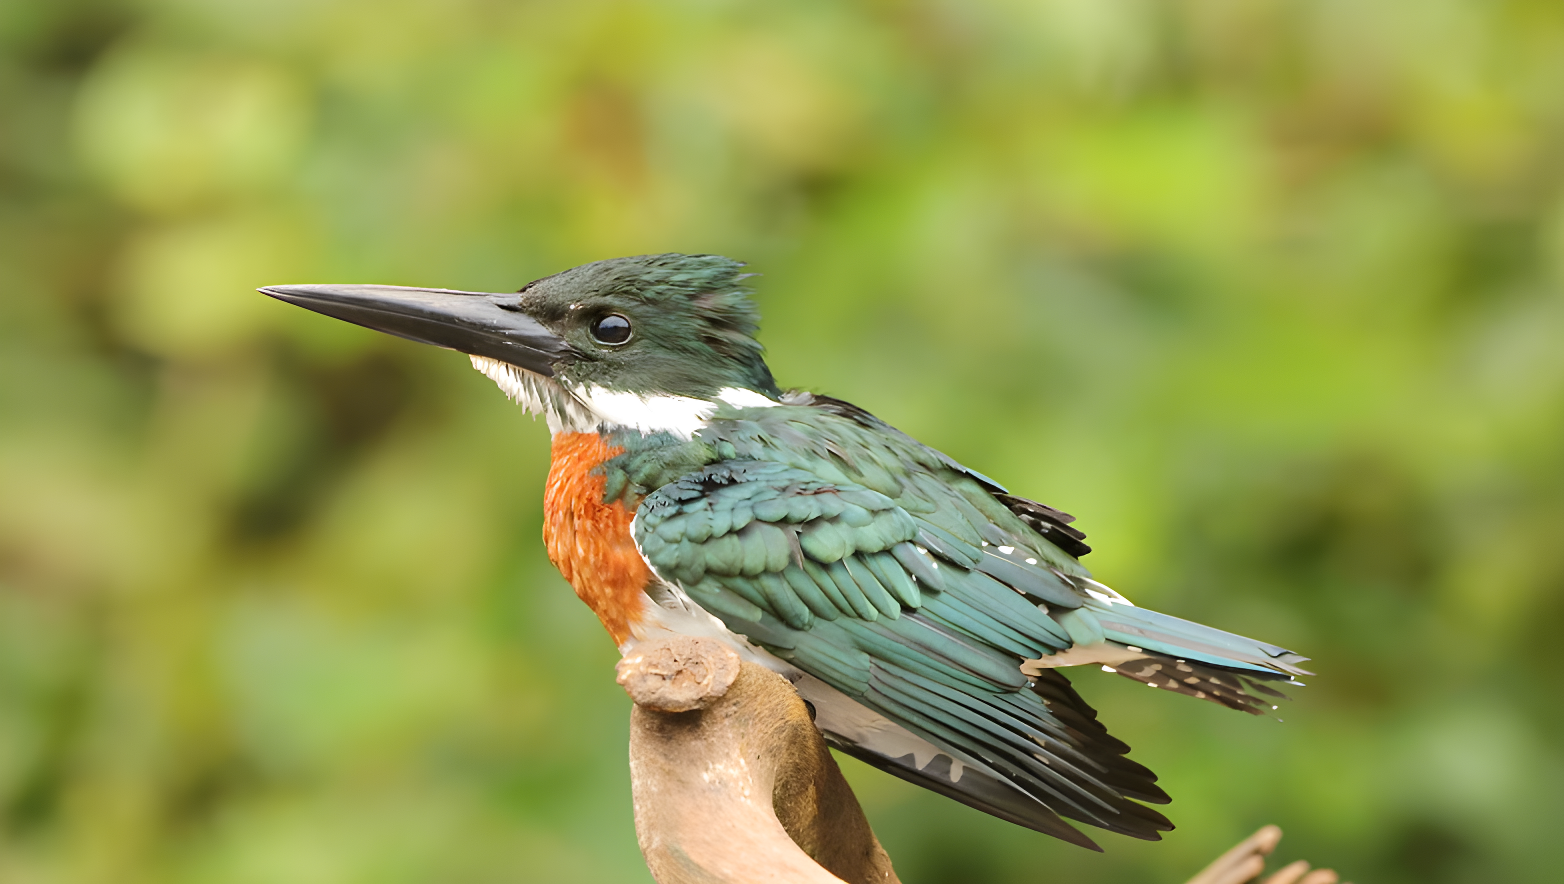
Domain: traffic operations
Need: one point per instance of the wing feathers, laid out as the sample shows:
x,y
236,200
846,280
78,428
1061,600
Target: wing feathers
x,y
924,613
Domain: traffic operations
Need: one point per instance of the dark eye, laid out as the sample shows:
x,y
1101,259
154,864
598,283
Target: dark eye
x,y
611,329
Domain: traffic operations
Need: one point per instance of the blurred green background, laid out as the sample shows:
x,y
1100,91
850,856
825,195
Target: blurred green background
x,y
1270,294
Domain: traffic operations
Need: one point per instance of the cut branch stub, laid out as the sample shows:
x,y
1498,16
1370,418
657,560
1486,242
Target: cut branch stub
x,y
678,674
737,785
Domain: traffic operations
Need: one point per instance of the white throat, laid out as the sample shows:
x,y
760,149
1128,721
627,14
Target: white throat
x,y
587,409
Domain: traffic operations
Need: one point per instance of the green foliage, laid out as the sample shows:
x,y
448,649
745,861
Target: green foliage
x,y
1269,294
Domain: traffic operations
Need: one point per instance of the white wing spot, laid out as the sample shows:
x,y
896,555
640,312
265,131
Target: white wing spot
x,y
738,397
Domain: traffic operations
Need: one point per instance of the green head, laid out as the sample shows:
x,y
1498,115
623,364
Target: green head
x,y
655,342
674,324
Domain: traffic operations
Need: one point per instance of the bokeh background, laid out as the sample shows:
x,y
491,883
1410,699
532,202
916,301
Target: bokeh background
x,y
1269,293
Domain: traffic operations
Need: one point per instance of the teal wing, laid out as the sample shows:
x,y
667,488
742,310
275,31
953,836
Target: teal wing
x,y
916,617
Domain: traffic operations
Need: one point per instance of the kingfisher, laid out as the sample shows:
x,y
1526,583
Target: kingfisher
x,y
922,610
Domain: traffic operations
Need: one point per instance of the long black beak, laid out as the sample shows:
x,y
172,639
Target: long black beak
x,y
477,323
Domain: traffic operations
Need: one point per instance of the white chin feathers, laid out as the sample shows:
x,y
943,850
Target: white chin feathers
x,y
588,409
538,395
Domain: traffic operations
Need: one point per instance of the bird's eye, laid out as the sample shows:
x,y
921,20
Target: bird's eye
x,y
612,329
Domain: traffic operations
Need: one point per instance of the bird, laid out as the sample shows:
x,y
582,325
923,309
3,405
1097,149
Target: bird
x,y
922,610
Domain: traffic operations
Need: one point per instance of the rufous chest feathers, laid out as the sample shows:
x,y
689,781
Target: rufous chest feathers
x,y
589,541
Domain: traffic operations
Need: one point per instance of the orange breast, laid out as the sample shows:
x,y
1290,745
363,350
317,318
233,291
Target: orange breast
x,y
589,541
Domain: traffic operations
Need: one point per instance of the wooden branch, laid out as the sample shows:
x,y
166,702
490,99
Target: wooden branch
x,y
733,784
731,780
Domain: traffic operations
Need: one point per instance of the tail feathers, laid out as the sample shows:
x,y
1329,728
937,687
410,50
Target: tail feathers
x,y
1182,639
1172,654
1182,676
